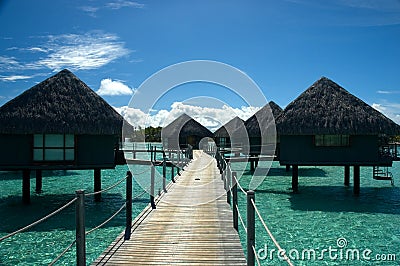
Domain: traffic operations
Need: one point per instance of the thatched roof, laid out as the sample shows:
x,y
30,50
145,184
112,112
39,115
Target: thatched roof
x,y
61,104
327,108
262,117
232,125
185,126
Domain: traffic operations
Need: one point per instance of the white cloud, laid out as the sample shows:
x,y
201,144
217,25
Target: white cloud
x,y
212,118
124,3
387,92
115,5
8,63
91,50
14,77
74,51
391,110
113,88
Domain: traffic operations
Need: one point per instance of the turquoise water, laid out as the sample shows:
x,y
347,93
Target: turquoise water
x,y
322,212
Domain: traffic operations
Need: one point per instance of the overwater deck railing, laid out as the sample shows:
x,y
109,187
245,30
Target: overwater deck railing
x,y
79,200
231,185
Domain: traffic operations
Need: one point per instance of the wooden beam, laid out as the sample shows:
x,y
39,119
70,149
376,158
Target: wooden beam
x,y
347,175
295,178
39,181
356,177
26,186
97,184
287,167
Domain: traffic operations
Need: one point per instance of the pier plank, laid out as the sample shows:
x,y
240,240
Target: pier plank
x,y
179,231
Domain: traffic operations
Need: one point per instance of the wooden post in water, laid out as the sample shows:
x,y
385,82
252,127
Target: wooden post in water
x,y
164,174
26,186
356,180
234,201
295,178
347,175
228,185
38,181
128,223
97,184
252,166
287,167
251,232
80,228
152,189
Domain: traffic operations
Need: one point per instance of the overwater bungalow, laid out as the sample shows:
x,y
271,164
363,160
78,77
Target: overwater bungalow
x,y
222,136
182,132
58,124
326,125
262,119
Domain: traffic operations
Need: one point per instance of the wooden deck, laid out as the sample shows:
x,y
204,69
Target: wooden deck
x,y
181,231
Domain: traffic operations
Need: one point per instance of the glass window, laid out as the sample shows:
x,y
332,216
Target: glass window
x,y
332,140
53,154
53,140
69,141
53,147
38,154
38,140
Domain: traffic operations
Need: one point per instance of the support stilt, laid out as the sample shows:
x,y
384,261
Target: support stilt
x,y
295,178
26,186
347,175
356,177
38,181
97,184
287,167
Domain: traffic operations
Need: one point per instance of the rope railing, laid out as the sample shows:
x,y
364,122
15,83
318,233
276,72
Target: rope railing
x,y
107,220
38,221
106,189
231,187
241,219
62,253
285,257
255,255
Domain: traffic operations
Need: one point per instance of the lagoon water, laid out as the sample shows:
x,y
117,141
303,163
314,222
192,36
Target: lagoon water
x,y
323,215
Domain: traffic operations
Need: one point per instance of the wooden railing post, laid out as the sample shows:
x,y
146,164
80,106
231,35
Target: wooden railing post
x,y
250,228
234,201
152,190
127,235
164,174
80,228
228,184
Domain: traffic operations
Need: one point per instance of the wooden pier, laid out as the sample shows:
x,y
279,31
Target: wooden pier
x,y
192,225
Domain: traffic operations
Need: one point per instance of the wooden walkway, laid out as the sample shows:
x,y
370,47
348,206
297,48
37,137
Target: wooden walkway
x,y
192,225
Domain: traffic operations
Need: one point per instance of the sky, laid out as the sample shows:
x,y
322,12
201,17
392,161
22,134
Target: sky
x,y
284,46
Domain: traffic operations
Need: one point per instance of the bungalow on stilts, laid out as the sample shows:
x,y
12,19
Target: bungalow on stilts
x,y
326,125
58,124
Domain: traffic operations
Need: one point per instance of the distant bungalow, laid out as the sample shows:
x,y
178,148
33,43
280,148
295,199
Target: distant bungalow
x,y
326,125
262,119
59,123
182,132
222,136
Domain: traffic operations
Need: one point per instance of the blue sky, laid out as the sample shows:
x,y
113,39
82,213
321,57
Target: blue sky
x,y
283,45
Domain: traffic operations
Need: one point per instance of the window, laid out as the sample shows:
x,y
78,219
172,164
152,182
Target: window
x,y
222,142
332,140
53,147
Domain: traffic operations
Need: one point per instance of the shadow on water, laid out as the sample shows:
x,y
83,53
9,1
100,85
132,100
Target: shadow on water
x,y
279,171
15,175
14,214
384,200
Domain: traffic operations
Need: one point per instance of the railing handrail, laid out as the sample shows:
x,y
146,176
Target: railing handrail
x,y
252,255
38,221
